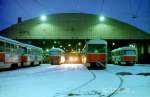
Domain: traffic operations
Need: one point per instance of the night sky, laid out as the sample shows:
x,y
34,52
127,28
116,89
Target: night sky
x,y
134,12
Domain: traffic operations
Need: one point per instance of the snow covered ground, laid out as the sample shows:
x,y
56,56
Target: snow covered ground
x,y
75,80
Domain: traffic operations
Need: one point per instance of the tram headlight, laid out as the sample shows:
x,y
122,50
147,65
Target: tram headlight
x,y
83,59
71,59
62,59
75,59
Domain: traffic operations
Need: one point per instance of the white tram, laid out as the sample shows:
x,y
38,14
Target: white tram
x,y
14,54
31,55
124,56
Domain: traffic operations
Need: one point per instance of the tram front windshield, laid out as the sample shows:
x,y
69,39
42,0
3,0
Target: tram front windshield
x,y
96,48
55,53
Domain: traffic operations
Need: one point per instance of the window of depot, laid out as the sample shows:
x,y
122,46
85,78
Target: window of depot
x,y
142,50
149,49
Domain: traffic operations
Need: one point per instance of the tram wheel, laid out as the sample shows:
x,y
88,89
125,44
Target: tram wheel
x,y
32,64
22,64
14,66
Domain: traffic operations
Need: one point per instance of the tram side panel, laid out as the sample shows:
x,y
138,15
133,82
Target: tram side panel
x,y
31,57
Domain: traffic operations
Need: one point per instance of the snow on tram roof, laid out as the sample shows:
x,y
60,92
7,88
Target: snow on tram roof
x,y
97,41
56,49
30,46
4,39
124,48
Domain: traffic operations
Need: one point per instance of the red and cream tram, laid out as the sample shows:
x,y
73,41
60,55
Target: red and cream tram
x,y
31,55
13,54
96,54
56,56
124,56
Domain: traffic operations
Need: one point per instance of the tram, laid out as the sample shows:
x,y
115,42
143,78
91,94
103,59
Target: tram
x,y
31,55
96,54
14,54
56,56
124,56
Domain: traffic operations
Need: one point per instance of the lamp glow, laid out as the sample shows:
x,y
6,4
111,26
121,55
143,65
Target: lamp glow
x,y
43,18
101,18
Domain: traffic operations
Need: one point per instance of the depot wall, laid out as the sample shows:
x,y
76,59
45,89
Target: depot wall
x,y
73,26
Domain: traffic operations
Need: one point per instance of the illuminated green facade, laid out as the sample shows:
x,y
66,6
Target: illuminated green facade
x,y
73,26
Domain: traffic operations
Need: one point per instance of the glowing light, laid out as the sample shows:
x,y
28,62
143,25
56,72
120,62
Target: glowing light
x,y
102,18
79,43
113,43
47,50
62,60
132,45
79,49
69,45
83,59
55,42
43,18
61,46
75,58
71,59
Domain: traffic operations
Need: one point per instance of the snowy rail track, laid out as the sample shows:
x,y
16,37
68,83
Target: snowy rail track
x,y
94,93
118,88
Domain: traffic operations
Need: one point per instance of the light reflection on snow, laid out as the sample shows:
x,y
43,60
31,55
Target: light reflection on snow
x,y
72,66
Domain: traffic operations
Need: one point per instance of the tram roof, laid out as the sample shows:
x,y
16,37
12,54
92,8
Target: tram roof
x,y
56,49
97,41
123,48
4,39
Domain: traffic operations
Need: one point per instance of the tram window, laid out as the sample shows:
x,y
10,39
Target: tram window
x,y
1,46
18,49
7,47
130,52
96,48
117,52
121,52
29,51
14,48
142,50
24,50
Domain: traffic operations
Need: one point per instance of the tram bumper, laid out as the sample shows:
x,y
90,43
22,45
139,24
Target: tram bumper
x,y
96,65
127,63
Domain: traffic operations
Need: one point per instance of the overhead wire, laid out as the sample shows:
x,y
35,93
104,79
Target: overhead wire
x,y
41,5
102,6
25,12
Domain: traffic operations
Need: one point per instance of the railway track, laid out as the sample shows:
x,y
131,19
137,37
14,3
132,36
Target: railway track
x,y
70,92
91,93
118,88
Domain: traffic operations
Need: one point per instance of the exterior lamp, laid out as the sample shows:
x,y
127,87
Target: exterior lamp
x,y
102,18
43,18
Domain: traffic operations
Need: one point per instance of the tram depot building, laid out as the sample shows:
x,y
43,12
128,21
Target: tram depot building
x,y
74,27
